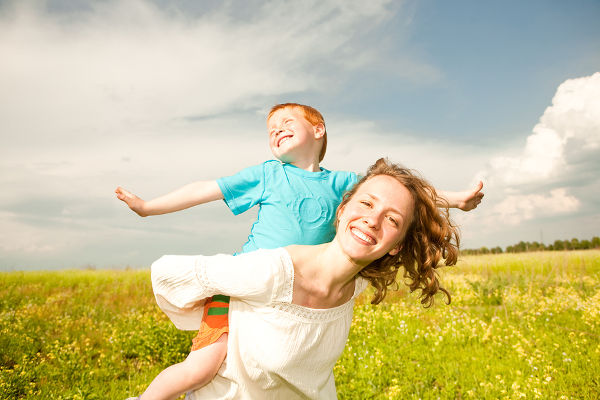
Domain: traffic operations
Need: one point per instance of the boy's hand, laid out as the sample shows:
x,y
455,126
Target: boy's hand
x,y
134,202
469,200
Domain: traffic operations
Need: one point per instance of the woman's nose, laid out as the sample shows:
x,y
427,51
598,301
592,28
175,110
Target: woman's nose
x,y
372,221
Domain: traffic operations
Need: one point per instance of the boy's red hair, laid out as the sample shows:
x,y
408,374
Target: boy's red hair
x,y
312,115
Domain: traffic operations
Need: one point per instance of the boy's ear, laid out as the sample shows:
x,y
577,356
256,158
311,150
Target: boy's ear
x,y
319,130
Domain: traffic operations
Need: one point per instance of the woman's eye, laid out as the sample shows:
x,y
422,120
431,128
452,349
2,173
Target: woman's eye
x,y
393,221
366,203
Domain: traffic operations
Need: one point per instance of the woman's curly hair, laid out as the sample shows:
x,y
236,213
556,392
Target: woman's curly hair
x,y
430,238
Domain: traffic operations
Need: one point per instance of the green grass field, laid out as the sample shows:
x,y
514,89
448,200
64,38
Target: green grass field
x,y
519,326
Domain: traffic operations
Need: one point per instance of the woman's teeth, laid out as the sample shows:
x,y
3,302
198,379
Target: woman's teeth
x,y
362,236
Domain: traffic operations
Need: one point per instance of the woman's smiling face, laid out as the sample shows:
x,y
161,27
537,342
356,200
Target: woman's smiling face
x,y
374,221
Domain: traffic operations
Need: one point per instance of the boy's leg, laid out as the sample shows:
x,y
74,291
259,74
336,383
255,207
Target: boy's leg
x,y
197,370
202,364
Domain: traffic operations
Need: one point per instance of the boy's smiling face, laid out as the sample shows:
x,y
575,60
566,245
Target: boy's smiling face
x,y
291,137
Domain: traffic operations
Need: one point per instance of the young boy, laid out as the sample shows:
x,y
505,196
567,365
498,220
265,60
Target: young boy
x,y
297,200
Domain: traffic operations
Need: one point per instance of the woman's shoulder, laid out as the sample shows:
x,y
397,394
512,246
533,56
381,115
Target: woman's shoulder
x,y
277,263
301,253
296,250
277,255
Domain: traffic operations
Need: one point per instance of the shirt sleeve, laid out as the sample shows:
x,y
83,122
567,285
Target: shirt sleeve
x,y
344,181
353,178
243,190
181,283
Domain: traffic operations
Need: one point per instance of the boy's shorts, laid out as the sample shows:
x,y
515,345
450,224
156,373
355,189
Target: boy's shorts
x,y
215,322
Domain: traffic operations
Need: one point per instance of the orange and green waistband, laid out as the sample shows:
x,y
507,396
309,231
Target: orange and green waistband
x,y
218,305
215,321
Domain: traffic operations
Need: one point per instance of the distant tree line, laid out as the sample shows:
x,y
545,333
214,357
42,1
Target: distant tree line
x,y
522,247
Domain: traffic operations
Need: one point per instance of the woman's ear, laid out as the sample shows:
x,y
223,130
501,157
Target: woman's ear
x,y
339,212
395,250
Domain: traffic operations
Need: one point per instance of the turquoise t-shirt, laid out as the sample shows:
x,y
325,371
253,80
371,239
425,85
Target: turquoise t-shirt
x,y
296,206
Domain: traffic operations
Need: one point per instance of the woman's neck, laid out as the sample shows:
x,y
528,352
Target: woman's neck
x,y
323,275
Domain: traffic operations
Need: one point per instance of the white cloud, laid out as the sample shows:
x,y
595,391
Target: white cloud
x,y
131,65
130,93
355,144
559,153
518,208
130,80
568,128
18,237
542,156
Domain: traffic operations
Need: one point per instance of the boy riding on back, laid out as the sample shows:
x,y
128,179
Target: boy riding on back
x,y
297,200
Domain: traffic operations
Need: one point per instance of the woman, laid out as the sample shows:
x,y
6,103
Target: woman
x,y
291,308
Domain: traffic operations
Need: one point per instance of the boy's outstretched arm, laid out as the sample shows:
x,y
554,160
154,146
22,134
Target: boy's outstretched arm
x,y
185,197
466,200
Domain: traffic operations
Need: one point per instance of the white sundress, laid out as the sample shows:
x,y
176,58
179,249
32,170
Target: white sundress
x,y
276,349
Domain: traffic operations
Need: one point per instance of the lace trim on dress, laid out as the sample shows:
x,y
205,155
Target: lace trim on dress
x,y
314,314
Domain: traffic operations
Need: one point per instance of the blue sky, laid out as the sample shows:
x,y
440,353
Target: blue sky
x,y
497,65
151,95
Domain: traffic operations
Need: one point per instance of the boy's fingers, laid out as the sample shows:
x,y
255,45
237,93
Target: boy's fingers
x,y
477,193
124,192
124,195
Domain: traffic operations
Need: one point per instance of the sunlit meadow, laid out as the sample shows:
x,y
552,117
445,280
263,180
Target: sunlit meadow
x,y
519,326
